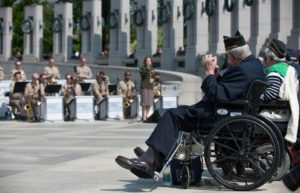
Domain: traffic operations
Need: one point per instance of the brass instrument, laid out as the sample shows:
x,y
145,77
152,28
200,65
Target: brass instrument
x,y
52,80
28,108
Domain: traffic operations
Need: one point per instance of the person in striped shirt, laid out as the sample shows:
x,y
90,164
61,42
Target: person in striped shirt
x,y
276,69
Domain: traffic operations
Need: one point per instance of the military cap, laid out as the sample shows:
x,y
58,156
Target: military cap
x,y
233,42
278,48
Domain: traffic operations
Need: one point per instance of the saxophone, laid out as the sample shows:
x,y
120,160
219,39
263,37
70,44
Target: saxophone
x,y
27,107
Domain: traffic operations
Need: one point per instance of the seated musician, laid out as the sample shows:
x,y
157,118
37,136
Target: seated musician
x,y
34,96
100,91
69,91
18,68
243,69
16,99
126,88
83,71
51,72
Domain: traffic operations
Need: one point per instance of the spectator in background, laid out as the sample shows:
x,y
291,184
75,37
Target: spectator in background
x,y
1,73
157,53
18,65
51,72
147,84
180,52
83,71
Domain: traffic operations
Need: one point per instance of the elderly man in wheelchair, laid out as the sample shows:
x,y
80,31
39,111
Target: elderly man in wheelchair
x,y
242,149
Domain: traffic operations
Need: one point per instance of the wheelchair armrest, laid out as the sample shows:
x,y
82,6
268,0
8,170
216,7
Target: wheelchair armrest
x,y
234,103
276,104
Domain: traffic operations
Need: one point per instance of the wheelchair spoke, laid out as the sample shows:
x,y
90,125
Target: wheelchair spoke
x,y
226,146
234,139
231,170
246,181
256,140
259,168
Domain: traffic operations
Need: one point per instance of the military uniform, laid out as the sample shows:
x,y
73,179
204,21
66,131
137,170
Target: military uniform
x,y
126,89
100,90
13,71
52,73
15,101
1,73
34,95
83,72
69,91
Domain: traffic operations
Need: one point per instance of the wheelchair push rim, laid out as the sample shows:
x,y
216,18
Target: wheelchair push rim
x,y
231,156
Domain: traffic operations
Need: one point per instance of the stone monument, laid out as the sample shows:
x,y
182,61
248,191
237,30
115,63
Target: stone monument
x,y
32,27
62,28
5,33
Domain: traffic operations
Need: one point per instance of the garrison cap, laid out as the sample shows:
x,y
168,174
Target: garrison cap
x,y
278,48
233,42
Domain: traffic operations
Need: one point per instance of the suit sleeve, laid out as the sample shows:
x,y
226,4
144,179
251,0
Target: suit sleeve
x,y
231,86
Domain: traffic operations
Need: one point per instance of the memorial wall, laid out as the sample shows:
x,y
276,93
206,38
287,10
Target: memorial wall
x,y
190,29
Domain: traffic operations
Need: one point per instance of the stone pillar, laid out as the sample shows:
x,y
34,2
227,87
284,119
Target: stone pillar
x,y
32,28
119,23
172,34
197,36
281,19
220,24
240,18
294,38
260,25
62,27
91,29
5,33
147,30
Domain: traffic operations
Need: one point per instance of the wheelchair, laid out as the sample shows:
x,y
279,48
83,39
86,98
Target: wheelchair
x,y
242,149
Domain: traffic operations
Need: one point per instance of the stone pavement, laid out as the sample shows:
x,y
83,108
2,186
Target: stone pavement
x,y
78,157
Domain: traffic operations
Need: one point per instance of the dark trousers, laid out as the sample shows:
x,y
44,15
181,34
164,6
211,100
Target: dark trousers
x,y
183,118
70,109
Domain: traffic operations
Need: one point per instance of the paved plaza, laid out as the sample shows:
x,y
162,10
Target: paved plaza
x,y
78,157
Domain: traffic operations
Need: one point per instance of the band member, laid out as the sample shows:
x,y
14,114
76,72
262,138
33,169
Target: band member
x,y
1,73
100,91
83,71
157,85
126,88
15,99
147,84
51,72
18,65
34,96
69,90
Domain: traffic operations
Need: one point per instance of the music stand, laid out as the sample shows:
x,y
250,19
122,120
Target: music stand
x,y
53,88
19,87
85,86
112,88
75,69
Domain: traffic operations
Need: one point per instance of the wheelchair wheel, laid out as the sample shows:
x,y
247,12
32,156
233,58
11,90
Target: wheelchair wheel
x,y
185,177
266,150
231,156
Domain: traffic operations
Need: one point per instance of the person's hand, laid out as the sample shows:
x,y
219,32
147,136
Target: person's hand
x,y
151,80
209,63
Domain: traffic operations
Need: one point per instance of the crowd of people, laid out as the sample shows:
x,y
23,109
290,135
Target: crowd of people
x,y
25,98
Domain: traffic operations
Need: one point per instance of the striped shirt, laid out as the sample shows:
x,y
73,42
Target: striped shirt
x,y
272,92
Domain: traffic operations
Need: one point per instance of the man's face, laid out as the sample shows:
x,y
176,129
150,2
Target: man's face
x,y
232,61
18,77
18,65
127,76
34,79
68,78
51,62
83,61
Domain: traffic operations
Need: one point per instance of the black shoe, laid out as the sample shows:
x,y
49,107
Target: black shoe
x,y
125,162
138,151
143,170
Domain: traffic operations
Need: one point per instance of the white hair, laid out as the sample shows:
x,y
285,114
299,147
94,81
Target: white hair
x,y
240,52
269,54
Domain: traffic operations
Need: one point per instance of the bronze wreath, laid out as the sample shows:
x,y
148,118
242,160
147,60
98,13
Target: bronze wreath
x,y
56,25
139,17
210,7
188,10
227,7
27,26
85,23
113,20
165,14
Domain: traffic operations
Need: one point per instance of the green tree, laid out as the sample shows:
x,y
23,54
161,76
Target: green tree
x,y
7,3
